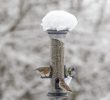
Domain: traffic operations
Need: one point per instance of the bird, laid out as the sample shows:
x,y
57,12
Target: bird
x,y
44,71
70,74
71,71
63,85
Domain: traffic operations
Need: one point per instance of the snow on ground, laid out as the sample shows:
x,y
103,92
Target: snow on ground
x,y
59,20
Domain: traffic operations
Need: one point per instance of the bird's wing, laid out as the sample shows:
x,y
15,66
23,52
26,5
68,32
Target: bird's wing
x,y
44,71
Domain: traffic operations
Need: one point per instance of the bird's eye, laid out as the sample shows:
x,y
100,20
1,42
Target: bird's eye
x,y
72,69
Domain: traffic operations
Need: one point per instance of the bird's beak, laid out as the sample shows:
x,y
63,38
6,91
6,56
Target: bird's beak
x,y
72,76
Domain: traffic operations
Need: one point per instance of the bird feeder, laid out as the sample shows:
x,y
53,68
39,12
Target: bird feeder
x,y
57,24
57,60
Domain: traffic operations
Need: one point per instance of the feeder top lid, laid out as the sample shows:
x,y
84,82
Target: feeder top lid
x,y
59,20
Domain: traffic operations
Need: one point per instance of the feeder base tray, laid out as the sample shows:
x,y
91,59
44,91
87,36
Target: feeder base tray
x,y
55,94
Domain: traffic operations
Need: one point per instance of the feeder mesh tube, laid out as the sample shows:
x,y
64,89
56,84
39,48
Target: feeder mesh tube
x,y
57,61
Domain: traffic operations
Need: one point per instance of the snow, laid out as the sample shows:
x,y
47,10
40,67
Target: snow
x,y
26,48
106,97
59,20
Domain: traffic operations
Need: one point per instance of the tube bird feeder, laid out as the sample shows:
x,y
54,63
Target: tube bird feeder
x,y
57,60
57,24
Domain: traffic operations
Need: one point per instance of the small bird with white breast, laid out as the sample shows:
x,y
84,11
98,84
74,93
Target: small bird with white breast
x,y
71,71
71,74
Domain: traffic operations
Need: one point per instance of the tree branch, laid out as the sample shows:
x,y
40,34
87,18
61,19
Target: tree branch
x,y
101,16
22,14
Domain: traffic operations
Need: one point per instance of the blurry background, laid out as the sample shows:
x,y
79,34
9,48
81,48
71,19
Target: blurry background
x,y
24,46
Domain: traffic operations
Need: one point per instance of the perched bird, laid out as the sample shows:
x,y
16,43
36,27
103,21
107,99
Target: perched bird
x,y
71,71
44,71
63,85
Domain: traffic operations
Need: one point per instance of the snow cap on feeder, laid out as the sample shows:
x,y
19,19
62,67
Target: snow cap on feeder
x,y
57,23
59,20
